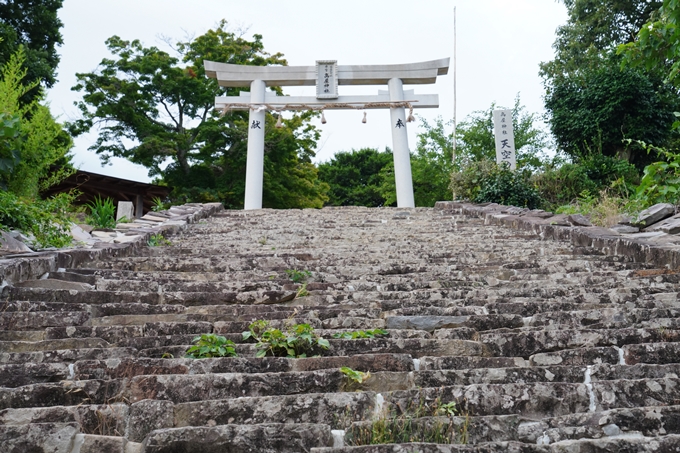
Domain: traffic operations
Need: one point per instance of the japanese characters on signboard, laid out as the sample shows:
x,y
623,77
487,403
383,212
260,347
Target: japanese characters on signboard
x,y
505,138
326,79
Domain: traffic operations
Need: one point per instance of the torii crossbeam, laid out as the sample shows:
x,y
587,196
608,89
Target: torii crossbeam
x,y
327,76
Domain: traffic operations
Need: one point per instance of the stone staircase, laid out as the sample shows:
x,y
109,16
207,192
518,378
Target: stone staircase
x,y
496,341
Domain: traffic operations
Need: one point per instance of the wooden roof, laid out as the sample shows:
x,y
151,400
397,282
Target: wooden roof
x,y
92,185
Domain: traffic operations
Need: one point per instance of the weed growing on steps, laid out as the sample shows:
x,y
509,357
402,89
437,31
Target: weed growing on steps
x,y
210,345
158,240
297,276
102,213
302,292
440,423
298,341
355,375
360,334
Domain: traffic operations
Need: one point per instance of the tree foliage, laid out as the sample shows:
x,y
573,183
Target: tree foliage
x,y
37,141
354,177
35,26
593,104
656,43
155,109
593,30
596,111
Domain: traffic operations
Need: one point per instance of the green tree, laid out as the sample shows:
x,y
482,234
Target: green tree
x,y
354,177
34,25
40,142
155,109
593,30
656,43
593,105
596,111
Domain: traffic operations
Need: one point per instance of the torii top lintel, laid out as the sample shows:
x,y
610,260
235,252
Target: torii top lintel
x,y
236,75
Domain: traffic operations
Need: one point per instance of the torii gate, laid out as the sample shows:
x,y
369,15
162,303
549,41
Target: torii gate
x,y
327,75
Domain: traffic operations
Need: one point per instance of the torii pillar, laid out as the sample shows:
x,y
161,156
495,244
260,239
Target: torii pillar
x,y
326,75
255,160
400,150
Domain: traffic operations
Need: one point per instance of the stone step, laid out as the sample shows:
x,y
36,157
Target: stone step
x,y
542,399
417,447
527,343
265,438
67,355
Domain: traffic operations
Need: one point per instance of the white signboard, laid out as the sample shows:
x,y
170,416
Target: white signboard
x,y
505,137
326,79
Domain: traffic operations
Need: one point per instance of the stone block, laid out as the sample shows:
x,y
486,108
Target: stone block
x,y
10,245
654,214
125,209
670,225
579,220
149,415
90,443
625,229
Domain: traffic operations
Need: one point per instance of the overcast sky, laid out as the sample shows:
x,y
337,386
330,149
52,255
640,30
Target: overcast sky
x,y
499,47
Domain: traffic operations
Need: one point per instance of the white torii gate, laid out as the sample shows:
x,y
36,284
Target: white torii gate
x,y
327,75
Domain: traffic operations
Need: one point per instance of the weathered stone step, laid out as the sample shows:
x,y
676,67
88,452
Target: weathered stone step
x,y
67,355
265,438
508,447
52,345
57,437
633,443
528,343
95,310
130,367
649,421
105,419
37,320
416,347
431,323
63,393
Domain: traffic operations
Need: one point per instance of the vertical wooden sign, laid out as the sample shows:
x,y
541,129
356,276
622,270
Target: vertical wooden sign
x,y
505,138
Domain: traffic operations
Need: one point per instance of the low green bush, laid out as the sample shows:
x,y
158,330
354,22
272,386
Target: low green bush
x,y
48,221
508,187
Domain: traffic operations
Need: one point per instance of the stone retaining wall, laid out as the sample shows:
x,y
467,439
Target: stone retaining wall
x,y
661,250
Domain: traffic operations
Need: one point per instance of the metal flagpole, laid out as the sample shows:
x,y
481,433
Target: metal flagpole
x,y
454,86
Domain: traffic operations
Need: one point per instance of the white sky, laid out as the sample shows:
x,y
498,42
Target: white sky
x,y
500,44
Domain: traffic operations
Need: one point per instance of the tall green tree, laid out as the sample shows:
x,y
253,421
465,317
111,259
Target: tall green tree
x,y
593,30
156,109
656,43
597,112
593,105
355,178
38,142
35,25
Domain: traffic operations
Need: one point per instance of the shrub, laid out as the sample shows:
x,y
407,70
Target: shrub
x,y
467,183
507,187
49,220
